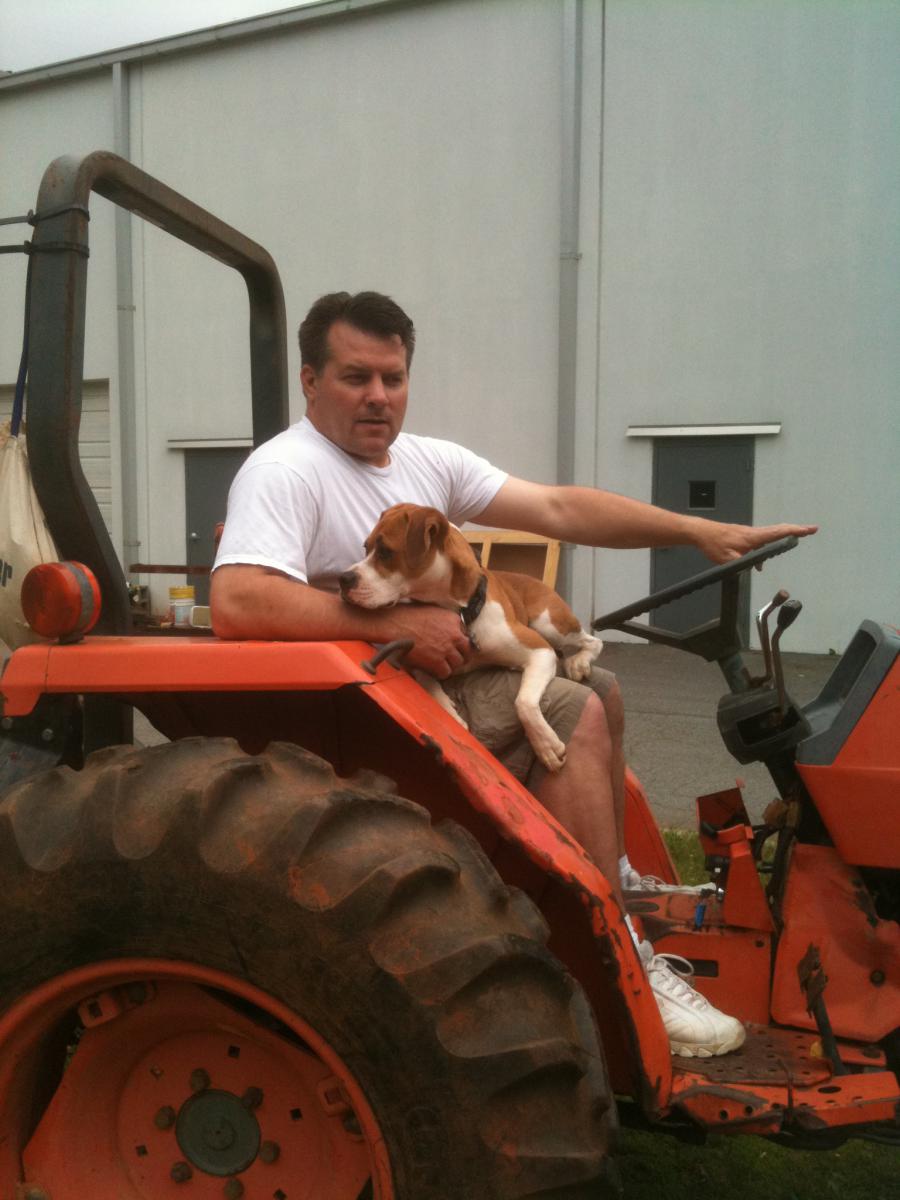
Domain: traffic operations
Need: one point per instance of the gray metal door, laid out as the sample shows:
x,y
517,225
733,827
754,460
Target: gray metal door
x,y
207,478
701,477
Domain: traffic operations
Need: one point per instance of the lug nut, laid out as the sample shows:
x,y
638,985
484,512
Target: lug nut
x,y
199,1080
181,1172
137,993
234,1189
351,1124
46,735
165,1118
269,1152
252,1098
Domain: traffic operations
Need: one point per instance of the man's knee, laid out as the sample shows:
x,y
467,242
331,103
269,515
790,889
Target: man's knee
x,y
593,726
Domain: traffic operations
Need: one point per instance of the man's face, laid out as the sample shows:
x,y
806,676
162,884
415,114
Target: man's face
x,y
358,401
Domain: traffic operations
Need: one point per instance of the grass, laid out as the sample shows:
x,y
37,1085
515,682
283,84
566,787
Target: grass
x,y
687,855
659,1167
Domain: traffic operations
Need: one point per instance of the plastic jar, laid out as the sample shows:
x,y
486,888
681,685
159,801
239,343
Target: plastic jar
x,y
181,601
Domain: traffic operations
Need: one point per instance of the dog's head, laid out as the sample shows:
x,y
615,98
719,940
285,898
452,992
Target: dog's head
x,y
405,559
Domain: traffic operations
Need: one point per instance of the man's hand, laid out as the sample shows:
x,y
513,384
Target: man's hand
x,y
722,543
441,642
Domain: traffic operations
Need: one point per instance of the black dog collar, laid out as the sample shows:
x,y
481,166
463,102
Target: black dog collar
x,y
476,602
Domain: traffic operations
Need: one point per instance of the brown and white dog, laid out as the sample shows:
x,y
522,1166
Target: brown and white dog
x,y
514,621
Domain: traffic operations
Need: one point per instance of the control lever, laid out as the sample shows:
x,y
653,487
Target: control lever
x,y
762,628
787,615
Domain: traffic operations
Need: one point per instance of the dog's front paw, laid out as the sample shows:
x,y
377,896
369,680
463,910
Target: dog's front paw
x,y
578,666
550,752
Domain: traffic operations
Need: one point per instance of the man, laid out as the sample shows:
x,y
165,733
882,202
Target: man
x,y
300,508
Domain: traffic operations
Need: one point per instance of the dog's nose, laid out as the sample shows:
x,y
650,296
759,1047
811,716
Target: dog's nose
x,y
348,580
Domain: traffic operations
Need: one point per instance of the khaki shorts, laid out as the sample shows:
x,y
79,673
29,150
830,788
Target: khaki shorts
x,y
486,699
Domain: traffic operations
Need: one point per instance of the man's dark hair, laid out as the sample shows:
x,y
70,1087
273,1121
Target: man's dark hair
x,y
370,312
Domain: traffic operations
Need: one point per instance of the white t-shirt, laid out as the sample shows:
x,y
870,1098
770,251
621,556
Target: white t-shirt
x,y
303,506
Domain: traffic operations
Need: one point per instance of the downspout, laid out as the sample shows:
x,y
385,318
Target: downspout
x,y
581,233
125,330
569,256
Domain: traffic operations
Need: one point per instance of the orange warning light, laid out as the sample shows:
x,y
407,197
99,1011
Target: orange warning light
x,y
61,600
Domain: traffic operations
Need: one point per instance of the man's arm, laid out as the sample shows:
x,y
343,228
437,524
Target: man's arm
x,y
255,602
591,517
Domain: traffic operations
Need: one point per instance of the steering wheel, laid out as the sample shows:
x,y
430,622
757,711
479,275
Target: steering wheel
x,y
718,640
675,591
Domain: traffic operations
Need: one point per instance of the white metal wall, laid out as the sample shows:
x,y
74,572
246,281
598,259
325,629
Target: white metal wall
x,y
37,126
411,151
737,254
751,246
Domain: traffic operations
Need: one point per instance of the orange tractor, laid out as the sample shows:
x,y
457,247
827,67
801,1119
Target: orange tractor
x,y
320,945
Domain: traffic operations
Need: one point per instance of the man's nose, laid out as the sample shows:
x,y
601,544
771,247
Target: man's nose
x,y
348,581
376,392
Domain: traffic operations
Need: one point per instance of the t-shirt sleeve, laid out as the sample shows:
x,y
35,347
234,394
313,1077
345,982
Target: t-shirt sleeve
x,y
474,482
272,516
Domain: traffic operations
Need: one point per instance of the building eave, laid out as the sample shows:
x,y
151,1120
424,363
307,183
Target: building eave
x,y
198,39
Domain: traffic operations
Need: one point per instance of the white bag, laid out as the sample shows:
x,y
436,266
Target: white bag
x,y
25,540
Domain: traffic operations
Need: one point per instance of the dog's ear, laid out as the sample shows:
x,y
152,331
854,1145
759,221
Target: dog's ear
x,y
387,512
427,529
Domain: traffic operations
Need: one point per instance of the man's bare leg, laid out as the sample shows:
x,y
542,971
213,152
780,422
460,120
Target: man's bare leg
x,y
582,795
615,720
587,798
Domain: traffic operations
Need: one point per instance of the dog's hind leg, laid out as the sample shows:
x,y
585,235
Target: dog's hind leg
x,y
539,669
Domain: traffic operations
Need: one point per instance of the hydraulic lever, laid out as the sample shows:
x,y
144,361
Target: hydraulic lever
x,y
787,615
762,628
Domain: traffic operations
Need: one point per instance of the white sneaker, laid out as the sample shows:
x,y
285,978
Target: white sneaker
x,y
696,1029
633,881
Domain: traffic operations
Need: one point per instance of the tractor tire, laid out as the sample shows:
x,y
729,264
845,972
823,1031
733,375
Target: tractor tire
x,y
321,912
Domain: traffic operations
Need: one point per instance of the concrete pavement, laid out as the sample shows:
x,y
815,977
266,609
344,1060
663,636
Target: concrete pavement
x,y
671,739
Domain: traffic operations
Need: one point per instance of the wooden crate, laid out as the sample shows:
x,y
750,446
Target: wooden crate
x,y
507,550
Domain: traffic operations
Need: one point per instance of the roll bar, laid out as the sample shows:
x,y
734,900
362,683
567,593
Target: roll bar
x,y
56,342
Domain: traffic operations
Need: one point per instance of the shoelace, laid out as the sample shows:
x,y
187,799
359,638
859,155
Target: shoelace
x,y
678,973
648,882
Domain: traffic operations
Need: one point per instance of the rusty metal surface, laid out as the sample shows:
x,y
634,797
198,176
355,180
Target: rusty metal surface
x,y
862,960
779,1081
769,1056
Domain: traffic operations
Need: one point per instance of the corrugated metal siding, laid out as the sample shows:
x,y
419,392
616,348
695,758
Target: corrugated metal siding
x,y
93,439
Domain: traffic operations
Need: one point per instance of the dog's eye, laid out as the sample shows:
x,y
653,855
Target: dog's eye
x,y
383,554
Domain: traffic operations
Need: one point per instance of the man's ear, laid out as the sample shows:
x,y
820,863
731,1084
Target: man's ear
x,y
308,381
427,529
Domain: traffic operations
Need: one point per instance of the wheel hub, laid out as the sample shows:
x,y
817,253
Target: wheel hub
x,y
131,1119
217,1133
